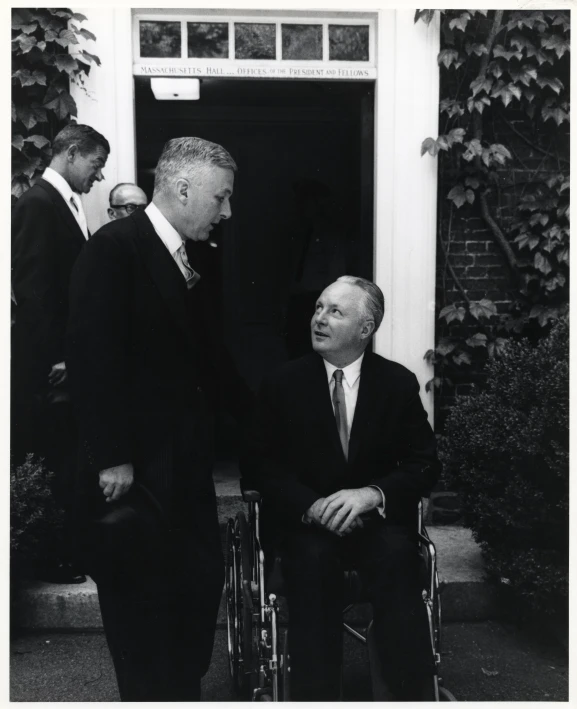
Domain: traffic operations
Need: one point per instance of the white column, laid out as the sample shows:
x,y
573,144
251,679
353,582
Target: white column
x,y
106,102
406,190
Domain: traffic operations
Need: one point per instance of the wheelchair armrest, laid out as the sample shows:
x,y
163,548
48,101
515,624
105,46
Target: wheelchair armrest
x,y
251,495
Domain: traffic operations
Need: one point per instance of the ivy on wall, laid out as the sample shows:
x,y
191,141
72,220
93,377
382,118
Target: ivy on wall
x,y
45,59
504,81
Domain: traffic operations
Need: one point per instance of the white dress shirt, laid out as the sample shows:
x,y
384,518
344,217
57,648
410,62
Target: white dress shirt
x,y
60,184
168,235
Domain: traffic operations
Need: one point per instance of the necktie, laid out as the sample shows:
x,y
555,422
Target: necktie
x,y
341,410
192,277
79,215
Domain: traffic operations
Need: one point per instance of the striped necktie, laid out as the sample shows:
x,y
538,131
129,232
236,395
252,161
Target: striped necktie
x,y
341,410
181,258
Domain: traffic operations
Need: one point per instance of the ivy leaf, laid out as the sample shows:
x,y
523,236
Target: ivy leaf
x,y
451,107
483,309
63,106
477,340
497,347
481,83
460,22
563,256
429,145
459,196
429,357
472,182
28,78
452,312
478,49
555,112
474,148
39,141
506,92
86,34
425,15
556,43
79,17
478,105
17,142
539,218
445,347
91,57
448,57
25,42
462,358
527,239
557,281
434,382
500,51
543,314
542,264
66,38
500,153
495,69
31,166
525,74
31,115
65,62
66,14
520,43
553,83
539,55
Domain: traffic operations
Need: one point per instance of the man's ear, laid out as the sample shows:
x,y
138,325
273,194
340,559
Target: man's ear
x,y
183,189
367,329
72,152
111,213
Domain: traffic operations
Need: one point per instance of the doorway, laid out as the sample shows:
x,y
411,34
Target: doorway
x,y
302,209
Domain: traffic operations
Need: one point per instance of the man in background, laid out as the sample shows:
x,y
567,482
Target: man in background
x,y
124,199
48,232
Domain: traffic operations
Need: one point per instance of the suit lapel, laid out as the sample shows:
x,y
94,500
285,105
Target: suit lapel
x,y
366,404
165,273
63,209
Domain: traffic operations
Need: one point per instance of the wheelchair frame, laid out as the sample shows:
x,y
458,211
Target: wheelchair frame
x,y
259,667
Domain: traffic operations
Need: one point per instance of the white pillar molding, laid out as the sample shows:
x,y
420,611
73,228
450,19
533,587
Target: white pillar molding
x,y
106,102
407,100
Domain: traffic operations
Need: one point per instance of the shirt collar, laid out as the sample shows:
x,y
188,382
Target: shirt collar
x,y
167,233
350,373
59,183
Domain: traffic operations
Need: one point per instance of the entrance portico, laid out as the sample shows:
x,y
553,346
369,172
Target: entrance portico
x,y
400,60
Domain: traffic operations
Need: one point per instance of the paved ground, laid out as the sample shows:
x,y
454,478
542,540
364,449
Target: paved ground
x,y
485,661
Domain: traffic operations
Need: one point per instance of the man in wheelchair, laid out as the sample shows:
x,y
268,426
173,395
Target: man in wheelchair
x,y
342,452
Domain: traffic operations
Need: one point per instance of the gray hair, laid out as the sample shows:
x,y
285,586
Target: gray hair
x,y
84,137
373,305
181,157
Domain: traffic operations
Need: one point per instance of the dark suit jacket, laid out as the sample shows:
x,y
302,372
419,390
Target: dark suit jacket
x,y
46,241
295,453
140,350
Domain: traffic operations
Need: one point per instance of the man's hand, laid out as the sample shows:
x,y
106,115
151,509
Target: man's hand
x,y
58,374
341,510
314,513
116,481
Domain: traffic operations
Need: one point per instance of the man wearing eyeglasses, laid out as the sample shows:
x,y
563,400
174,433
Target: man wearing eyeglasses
x,y
125,199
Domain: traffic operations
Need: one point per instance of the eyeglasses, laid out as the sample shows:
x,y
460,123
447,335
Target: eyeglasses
x,y
130,207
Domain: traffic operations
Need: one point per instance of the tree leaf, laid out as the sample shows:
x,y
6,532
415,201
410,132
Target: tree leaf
x,y
483,309
63,106
477,340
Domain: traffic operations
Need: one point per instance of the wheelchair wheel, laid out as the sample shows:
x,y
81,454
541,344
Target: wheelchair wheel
x,y
232,607
245,605
446,696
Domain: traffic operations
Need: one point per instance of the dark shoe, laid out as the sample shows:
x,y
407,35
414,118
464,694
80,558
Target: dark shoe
x,y
63,572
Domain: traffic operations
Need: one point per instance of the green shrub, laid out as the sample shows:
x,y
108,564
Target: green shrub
x,y
507,451
36,521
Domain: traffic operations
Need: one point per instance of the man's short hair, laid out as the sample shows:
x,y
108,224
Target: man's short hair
x,y
86,138
182,156
374,301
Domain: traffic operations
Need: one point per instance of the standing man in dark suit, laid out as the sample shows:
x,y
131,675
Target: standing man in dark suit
x,y
144,371
48,232
341,434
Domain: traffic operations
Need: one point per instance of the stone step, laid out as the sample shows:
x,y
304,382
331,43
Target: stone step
x,y
466,596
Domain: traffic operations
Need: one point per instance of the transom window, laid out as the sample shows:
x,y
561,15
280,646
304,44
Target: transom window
x,y
175,39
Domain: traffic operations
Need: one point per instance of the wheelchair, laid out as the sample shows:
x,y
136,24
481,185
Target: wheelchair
x,y
258,652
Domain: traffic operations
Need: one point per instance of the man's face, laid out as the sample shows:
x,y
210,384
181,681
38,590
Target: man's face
x,y
126,200
207,201
85,170
338,328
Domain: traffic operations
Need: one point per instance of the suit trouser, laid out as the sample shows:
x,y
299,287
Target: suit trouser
x,y
388,561
159,602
